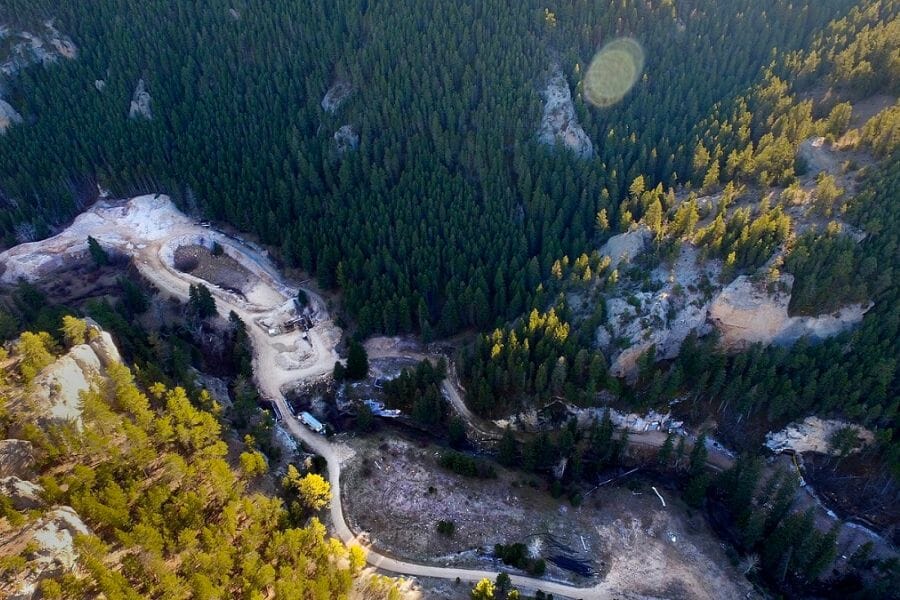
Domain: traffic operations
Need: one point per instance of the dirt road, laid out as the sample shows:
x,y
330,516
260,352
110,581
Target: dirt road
x,y
149,228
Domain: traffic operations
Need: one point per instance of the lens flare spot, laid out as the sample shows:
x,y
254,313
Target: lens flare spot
x,y
613,72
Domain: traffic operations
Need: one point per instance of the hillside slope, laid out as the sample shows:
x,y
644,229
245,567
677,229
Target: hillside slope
x,y
132,495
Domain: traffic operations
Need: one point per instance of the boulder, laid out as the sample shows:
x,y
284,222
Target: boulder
x,y
346,139
24,494
105,348
8,116
625,246
16,458
140,103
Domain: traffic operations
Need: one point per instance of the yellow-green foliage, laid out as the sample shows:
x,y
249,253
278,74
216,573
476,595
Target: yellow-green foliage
x,y
35,352
312,490
74,330
4,355
170,517
253,463
751,239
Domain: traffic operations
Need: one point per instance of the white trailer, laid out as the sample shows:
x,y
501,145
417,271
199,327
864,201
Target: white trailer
x,y
312,422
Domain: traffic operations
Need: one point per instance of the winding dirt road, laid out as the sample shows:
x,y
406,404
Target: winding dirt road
x,y
149,228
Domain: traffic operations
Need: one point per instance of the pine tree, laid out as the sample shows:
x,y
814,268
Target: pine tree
x,y
602,221
695,493
207,304
98,253
665,451
699,455
357,362
711,180
508,449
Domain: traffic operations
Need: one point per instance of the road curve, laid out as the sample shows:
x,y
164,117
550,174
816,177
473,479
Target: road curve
x,y
271,382
150,243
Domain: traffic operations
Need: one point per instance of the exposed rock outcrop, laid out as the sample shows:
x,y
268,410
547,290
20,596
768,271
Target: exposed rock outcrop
x,y
662,318
216,387
813,435
54,554
559,123
336,95
57,389
105,348
8,116
26,48
55,394
746,312
625,246
140,103
346,139
16,458
817,157
24,494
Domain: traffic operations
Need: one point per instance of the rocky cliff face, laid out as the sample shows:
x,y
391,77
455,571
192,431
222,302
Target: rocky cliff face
x,y
336,95
21,48
662,318
346,139
746,312
54,397
46,539
559,125
140,103
8,116
42,44
813,435
52,552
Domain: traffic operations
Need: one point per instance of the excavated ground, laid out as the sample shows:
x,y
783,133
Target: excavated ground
x,y
220,270
399,493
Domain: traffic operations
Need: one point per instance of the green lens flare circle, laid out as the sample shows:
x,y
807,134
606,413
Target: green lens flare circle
x,y
613,72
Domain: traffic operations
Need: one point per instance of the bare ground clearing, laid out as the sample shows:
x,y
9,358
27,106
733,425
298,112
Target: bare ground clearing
x,y
635,546
220,270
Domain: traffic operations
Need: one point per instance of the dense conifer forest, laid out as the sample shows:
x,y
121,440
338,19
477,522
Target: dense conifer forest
x,y
450,213
447,215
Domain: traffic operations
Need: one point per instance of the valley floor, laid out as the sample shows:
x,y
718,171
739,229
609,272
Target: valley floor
x,y
622,533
